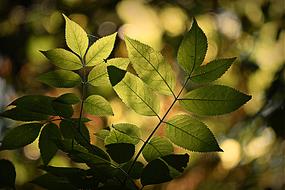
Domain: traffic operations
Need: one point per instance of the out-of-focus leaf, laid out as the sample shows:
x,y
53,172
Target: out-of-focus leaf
x,y
100,50
60,79
120,152
97,105
211,71
76,38
102,134
63,59
151,66
98,76
7,174
47,142
21,114
157,147
213,100
192,49
21,136
135,94
189,133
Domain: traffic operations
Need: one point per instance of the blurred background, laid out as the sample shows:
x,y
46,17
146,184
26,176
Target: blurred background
x,y
253,138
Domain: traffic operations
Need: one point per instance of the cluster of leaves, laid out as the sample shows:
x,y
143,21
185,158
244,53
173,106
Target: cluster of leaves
x,y
116,166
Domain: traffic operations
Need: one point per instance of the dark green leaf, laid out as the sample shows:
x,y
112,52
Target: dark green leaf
x,y
193,48
136,170
177,161
60,79
21,114
47,142
7,174
120,152
63,171
213,100
211,71
97,105
21,136
155,172
63,110
157,147
68,98
63,59
115,74
189,133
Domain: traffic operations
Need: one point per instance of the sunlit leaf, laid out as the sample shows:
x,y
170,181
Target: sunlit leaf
x,y
157,147
21,114
121,63
100,50
151,66
213,100
21,136
76,38
68,98
97,105
191,134
155,172
98,76
211,71
63,59
192,49
120,152
47,142
135,94
60,79
102,134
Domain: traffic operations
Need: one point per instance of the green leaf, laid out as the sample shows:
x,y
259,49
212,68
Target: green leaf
x,y
21,136
157,147
115,74
60,79
177,161
211,71
121,63
135,94
63,110
151,66
21,114
136,171
191,134
68,98
120,152
97,105
123,133
98,76
7,175
100,50
47,142
155,172
192,49
213,100
76,38
102,134
63,59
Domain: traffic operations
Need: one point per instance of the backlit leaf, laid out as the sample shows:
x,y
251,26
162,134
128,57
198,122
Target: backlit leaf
x,y
21,136
191,134
100,50
135,94
98,76
97,105
121,63
192,49
76,38
63,59
211,71
213,100
151,66
60,79
157,147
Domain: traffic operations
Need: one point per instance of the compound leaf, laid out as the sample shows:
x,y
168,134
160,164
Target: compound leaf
x,y
98,76
211,71
63,59
151,66
76,38
213,100
60,79
135,94
191,134
192,49
21,136
157,147
100,50
97,105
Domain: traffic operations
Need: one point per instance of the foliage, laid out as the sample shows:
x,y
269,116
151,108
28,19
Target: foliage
x,y
117,166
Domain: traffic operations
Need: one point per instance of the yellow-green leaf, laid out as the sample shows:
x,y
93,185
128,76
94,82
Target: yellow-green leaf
x,y
97,105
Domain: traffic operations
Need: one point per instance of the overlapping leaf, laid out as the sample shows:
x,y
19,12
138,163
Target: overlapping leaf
x,y
97,105
98,76
121,63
